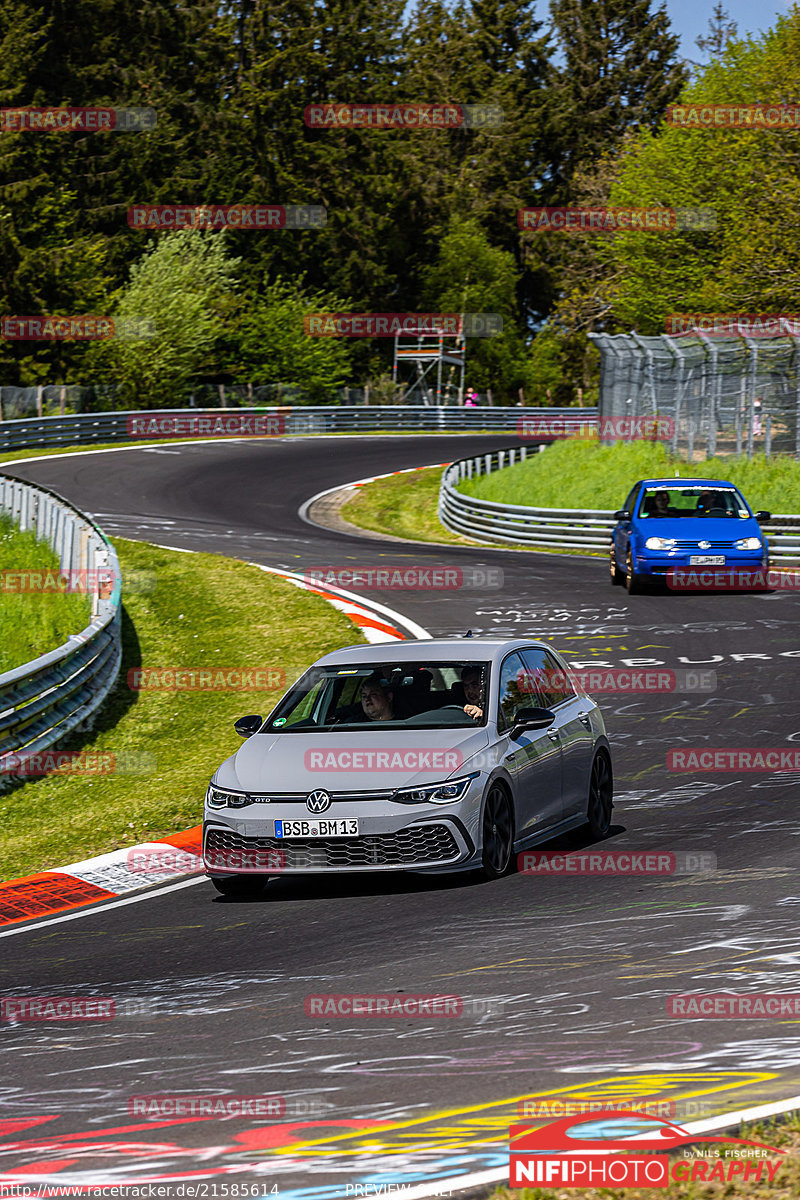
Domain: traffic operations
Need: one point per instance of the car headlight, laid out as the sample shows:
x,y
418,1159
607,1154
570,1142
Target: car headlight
x,y
219,798
751,543
657,543
436,793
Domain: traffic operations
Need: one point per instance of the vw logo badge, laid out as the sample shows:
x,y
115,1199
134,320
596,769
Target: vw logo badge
x,y
318,802
704,545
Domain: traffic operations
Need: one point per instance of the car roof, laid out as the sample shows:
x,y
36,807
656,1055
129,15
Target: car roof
x,y
432,650
682,482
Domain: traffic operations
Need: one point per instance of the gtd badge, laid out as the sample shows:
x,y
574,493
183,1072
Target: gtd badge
x,y
318,802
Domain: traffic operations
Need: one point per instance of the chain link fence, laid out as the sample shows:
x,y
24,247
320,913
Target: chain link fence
x,y
731,395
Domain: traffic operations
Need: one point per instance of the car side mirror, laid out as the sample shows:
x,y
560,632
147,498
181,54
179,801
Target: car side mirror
x,y
622,514
247,726
531,718
763,516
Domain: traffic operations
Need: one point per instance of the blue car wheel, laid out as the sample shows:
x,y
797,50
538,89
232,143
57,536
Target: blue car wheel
x,y
633,582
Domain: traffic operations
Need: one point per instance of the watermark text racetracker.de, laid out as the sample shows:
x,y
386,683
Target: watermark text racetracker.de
x,y
24,1009
727,325
76,120
650,429
252,217
394,115
734,758
729,579
616,680
190,425
205,679
26,764
399,1004
372,758
86,328
732,1006
733,116
558,1106
71,580
406,578
372,325
616,862
613,220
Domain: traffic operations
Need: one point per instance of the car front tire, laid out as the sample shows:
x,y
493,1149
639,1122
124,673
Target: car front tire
x,y
633,582
601,797
497,855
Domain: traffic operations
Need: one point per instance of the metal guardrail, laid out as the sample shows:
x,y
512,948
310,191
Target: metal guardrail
x,y
43,700
98,428
559,528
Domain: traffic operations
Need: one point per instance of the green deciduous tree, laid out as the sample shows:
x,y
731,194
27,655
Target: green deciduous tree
x,y
184,289
750,177
472,276
269,344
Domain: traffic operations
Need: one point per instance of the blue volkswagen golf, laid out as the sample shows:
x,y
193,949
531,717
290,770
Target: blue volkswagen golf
x,y
677,524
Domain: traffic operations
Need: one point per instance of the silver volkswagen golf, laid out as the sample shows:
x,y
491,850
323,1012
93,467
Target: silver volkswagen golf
x,y
443,755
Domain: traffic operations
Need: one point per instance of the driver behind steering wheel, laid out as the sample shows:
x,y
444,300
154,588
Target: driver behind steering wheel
x,y
472,682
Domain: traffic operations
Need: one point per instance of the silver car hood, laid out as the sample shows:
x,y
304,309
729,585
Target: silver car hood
x,y
284,763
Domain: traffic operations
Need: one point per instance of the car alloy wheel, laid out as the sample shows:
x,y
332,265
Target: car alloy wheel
x,y
498,833
601,792
617,576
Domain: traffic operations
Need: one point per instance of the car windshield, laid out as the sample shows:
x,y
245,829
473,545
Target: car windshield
x,y
700,500
384,695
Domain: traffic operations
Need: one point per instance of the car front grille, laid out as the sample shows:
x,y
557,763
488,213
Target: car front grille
x,y
417,844
686,544
268,797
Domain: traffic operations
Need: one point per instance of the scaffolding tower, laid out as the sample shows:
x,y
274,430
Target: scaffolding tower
x,y
421,358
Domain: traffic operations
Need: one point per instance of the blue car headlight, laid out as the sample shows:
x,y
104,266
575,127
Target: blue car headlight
x,y
751,543
220,798
447,792
659,543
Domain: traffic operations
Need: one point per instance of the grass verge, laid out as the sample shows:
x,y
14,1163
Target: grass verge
x,y
406,506
785,1186
33,623
403,505
205,612
582,474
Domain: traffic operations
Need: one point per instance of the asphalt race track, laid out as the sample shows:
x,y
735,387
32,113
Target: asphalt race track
x,y
571,974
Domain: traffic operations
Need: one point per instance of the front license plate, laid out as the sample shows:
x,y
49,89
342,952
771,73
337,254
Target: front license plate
x,y
344,827
707,560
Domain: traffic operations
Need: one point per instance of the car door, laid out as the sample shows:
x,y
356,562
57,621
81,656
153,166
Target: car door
x,y
573,725
533,758
622,530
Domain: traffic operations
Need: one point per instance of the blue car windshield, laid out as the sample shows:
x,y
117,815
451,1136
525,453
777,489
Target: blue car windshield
x,y
696,501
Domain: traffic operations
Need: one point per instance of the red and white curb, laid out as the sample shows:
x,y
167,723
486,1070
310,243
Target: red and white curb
x,y
110,876
377,622
104,877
